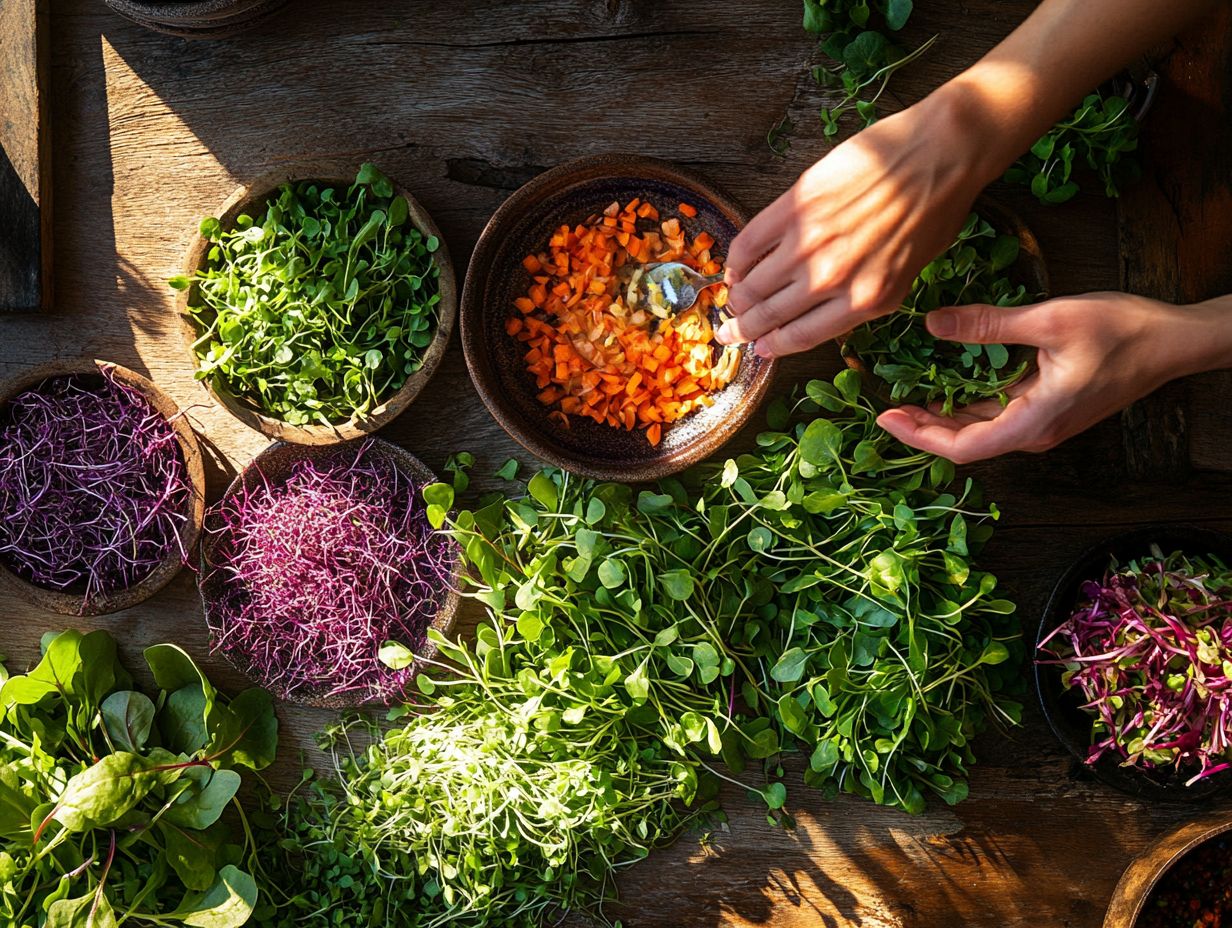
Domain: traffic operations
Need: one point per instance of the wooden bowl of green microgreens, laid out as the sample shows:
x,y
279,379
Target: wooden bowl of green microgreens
x,y
995,259
316,310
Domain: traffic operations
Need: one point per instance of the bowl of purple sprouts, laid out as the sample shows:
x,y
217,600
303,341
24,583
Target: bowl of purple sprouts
x,y
102,487
1134,662
321,576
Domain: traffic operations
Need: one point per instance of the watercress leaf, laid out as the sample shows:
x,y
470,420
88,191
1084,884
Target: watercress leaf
x,y
897,12
637,684
775,795
611,573
678,584
509,470
128,717
790,666
821,442
542,490
1004,252
998,356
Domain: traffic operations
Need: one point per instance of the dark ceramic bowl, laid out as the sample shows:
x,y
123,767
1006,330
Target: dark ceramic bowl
x,y
198,19
1029,270
569,194
274,465
1071,725
251,199
73,602
1149,867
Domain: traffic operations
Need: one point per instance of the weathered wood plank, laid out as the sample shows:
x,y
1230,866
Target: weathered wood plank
x,y
25,153
1176,224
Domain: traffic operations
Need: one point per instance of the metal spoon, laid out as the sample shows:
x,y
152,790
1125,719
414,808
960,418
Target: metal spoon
x,y
666,289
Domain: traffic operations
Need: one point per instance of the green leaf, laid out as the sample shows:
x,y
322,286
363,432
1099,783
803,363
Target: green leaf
x,y
678,584
199,809
227,904
637,684
128,717
611,573
897,13
994,653
651,503
173,669
775,795
821,443
509,470
395,655
1004,252
93,910
102,794
790,666
542,490
245,733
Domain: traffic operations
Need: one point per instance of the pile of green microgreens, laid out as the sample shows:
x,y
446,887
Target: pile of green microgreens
x,y
816,596
320,308
920,368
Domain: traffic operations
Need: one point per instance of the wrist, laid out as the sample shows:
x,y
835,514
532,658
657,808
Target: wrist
x,y
985,123
1204,335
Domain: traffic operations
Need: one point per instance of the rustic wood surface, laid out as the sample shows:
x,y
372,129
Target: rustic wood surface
x,y
463,101
25,152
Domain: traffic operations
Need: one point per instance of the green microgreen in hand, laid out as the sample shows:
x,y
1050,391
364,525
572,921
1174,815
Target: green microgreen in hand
x,y
112,803
922,369
320,308
1102,134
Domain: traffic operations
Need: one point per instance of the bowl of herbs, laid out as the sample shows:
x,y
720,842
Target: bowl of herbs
x,y
316,310
995,259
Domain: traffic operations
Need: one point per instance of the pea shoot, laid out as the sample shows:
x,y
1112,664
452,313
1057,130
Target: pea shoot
x,y
320,308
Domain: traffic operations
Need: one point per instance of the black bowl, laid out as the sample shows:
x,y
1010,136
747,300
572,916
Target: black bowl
x,y
1061,706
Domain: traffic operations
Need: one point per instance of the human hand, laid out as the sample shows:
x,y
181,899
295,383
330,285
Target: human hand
x,y
844,244
1097,354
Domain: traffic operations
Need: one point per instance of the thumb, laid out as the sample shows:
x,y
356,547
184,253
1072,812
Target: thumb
x,y
981,324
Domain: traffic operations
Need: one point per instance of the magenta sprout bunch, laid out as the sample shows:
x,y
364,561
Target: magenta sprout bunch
x,y
1150,648
94,491
319,570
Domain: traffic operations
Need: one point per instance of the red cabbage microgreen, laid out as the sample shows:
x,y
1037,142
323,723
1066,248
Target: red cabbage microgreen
x,y
94,491
1150,648
331,578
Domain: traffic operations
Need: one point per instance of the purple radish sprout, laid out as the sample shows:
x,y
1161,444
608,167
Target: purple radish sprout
x,y
319,570
94,491
1150,649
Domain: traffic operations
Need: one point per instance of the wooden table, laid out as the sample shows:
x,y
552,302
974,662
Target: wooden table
x,y
464,100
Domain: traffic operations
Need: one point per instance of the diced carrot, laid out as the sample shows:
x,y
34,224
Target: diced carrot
x,y
687,210
654,434
532,264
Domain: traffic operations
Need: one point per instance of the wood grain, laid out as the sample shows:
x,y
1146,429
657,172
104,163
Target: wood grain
x,y
25,153
462,102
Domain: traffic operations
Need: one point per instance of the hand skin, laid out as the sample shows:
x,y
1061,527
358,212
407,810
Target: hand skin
x,y
1097,354
843,245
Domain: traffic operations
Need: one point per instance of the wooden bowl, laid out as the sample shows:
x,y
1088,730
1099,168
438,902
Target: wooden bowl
x,y
251,199
1148,868
198,19
67,602
1029,270
1069,723
521,226
274,465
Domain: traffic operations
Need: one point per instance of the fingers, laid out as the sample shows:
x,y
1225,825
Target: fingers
x,y
775,310
756,240
820,324
1018,427
988,325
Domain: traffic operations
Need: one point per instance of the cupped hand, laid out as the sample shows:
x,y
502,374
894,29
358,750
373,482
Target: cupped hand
x,y
844,244
1097,354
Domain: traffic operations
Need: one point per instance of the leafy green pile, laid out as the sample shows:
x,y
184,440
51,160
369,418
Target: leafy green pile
x,y
857,36
319,309
111,803
1101,134
922,369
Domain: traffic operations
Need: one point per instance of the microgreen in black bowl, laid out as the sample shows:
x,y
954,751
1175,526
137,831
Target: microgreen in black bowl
x,y
1133,659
